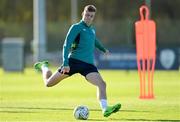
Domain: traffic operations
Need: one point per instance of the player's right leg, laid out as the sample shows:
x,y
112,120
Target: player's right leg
x,y
49,78
96,79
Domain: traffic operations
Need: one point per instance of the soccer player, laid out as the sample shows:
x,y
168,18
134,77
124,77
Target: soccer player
x,y
78,57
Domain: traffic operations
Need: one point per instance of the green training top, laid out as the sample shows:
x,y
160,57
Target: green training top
x,y
80,43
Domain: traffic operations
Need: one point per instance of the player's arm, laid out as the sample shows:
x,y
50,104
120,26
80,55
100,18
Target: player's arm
x,y
70,37
99,45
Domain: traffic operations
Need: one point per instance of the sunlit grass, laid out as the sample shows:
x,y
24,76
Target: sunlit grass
x,y
23,97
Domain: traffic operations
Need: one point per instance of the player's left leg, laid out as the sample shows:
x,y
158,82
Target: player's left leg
x,y
49,78
96,79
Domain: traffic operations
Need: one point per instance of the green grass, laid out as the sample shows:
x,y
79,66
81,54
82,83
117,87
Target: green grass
x,y
23,97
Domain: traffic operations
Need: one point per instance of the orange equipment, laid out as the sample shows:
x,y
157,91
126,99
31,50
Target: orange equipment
x,y
146,52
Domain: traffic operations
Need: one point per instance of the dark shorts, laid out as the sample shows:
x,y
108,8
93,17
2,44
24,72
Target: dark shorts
x,y
77,66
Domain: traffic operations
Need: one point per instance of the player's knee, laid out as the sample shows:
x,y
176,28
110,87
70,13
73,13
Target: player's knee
x,y
103,84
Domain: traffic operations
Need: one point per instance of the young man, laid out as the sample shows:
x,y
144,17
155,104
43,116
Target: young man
x,y
78,57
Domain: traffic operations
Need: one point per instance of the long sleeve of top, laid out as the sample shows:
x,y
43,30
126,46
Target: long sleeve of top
x,y
71,35
99,45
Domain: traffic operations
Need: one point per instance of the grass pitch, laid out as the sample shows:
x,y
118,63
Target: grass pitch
x,y
24,98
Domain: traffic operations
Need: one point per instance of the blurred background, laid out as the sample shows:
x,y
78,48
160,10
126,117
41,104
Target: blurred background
x,y
114,23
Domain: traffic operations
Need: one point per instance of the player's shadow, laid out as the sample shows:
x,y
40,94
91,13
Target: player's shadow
x,y
64,109
123,110
13,111
155,120
141,120
24,110
90,119
36,108
30,109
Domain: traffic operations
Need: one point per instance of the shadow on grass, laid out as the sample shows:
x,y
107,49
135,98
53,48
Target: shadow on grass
x,y
98,120
141,120
155,120
64,109
122,110
14,111
71,109
37,108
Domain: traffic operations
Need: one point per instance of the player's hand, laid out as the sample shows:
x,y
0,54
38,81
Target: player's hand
x,y
65,69
107,52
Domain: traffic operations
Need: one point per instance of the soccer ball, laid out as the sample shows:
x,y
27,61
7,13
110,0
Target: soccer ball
x,y
81,112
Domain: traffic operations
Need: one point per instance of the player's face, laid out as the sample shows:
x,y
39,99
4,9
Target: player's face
x,y
88,17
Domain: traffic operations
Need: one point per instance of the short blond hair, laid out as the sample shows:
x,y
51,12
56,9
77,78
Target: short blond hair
x,y
90,8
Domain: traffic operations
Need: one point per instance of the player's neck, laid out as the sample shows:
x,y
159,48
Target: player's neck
x,y
87,24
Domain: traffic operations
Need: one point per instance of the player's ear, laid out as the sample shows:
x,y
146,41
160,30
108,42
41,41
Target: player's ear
x,y
82,13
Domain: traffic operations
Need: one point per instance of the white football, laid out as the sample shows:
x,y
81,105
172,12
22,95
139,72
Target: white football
x,y
81,112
